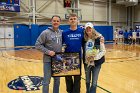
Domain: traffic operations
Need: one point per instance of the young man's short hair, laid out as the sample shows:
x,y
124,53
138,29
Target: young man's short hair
x,y
73,15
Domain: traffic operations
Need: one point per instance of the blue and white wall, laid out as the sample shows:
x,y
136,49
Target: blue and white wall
x,y
26,36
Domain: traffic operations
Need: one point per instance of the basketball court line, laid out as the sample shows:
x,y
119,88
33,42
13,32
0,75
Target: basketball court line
x,y
111,58
99,87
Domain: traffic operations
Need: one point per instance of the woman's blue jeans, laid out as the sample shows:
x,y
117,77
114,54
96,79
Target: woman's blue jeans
x,y
91,72
47,78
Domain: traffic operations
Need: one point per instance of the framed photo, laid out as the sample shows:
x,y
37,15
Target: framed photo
x,y
66,64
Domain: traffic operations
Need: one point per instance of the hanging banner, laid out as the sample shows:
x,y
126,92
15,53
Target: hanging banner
x,y
9,5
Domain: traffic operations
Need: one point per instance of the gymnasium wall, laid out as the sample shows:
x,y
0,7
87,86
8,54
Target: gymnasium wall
x,y
25,35
22,35
106,31
6,36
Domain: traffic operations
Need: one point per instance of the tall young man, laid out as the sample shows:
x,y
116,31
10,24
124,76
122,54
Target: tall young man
x,y
49,42
73,38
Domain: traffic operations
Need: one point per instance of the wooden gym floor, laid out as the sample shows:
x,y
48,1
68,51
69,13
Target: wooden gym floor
x,y
119,74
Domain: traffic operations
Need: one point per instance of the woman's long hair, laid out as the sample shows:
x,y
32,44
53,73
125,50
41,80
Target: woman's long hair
x,y
95,34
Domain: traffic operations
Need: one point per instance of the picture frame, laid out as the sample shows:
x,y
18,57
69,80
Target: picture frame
x,y
66,64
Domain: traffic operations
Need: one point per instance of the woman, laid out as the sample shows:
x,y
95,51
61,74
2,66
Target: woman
x,y
94,51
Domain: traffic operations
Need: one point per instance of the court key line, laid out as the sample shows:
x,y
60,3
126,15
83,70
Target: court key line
x,y
99,87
